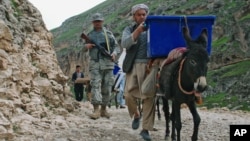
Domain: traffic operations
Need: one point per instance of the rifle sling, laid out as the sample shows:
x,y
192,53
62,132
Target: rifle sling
x,y
106,37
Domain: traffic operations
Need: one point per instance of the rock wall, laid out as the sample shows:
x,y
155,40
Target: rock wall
x,y
32,85
69,61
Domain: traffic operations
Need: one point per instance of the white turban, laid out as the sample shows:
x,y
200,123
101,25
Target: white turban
x,y
138,7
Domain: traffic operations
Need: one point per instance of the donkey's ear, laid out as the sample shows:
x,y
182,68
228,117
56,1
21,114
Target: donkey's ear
x,y
203,37
204,33
186,34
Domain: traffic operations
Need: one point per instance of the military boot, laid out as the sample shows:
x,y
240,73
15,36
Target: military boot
x,y
96,113
104,112
89,95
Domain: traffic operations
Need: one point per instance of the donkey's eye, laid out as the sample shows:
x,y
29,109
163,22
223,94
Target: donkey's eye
x,y
193,62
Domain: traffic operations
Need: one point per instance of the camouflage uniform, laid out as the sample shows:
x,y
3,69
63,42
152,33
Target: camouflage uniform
x,y
101,68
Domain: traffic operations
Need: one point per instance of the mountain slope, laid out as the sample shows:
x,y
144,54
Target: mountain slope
x,y
230,44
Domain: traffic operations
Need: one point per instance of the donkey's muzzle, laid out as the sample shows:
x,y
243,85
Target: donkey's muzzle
x,y
201,84
201,88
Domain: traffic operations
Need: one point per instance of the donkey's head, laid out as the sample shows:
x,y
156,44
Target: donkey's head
x,y
196,59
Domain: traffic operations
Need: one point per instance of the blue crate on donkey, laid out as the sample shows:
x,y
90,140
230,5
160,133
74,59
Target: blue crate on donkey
x,y
165,32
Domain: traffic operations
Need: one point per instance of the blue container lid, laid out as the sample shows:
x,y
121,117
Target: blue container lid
x,y
189,17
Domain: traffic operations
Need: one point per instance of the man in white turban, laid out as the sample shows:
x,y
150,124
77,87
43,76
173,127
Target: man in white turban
x,y
134,40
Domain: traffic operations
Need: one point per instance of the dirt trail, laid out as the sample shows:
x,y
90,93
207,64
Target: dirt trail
x,y
78,127
214,125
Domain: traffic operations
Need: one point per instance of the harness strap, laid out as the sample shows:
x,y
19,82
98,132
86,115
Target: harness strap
x,y
179,79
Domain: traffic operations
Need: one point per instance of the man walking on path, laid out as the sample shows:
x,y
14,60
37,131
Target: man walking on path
x,y
135,36
100,65
78,87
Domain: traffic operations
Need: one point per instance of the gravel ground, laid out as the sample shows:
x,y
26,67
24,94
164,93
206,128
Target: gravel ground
x,y
78,127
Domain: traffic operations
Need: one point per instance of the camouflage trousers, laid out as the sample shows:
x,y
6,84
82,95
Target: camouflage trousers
x,y
101,84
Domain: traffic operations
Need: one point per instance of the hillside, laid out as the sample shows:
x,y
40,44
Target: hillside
x,y
228,73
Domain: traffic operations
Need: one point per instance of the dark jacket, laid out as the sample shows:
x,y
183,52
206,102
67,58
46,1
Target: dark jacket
x,y
74,76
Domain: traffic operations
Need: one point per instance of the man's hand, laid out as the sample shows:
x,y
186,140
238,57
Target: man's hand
x,y
141,28
89,46
113,57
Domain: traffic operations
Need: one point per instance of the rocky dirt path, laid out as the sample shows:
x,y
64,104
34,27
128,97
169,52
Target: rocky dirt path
x,y
78,127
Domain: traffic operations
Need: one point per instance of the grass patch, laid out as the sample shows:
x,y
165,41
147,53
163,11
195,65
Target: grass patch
x,y
72,90
214,101
236,69
71,33
223,100
220,42
63,51
245,17
15,7
16,128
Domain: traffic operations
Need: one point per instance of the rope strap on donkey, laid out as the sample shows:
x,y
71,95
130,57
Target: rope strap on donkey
x,y
197,94
179,79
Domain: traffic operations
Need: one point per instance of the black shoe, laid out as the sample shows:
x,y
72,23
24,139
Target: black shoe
x,y
122,107
145,135
136,123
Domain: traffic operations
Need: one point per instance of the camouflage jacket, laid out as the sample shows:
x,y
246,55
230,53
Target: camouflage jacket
x,y
98,60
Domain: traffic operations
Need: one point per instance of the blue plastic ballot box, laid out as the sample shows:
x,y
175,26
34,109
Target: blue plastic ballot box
x,y
165,32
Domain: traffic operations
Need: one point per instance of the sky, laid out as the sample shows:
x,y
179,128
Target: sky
x,y
55,12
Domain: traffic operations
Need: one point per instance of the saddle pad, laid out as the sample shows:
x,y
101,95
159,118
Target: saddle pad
x,y
173,55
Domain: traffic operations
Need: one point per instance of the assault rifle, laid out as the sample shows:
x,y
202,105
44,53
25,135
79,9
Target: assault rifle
x,y
99,47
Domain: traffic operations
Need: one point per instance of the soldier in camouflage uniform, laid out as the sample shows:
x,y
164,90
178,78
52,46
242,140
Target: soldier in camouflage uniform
x,y
100,66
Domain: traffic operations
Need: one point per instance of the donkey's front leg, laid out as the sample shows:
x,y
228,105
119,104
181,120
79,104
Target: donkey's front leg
x,y
166,114
178,121
158,107
172,117
178,124
196,119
